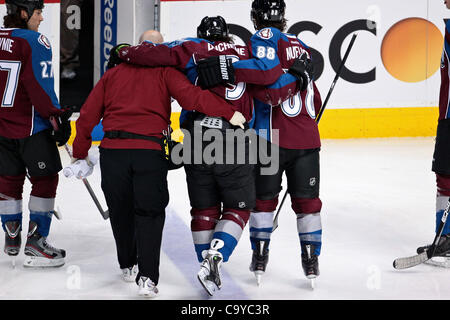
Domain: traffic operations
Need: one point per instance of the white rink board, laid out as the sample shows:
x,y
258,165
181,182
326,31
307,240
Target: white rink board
x,y
179,19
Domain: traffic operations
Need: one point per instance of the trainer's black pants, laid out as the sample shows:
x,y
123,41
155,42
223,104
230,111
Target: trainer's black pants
x,y
135,186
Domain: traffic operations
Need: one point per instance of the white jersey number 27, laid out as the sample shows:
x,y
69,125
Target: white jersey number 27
x,y
9,93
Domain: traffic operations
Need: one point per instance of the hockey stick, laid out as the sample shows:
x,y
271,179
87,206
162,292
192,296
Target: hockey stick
x,y
319,116
408,262
105,214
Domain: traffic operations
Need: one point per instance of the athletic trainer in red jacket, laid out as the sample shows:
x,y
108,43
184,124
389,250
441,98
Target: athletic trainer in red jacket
x,y
134,103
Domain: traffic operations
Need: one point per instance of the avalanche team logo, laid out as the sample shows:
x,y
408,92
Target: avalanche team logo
x,y
265,33
44,41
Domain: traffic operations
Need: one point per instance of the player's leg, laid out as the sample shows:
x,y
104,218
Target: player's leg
x,y
117,186
41,157
303,175
205,206
268,188
205,213
441,166
151,197
12,176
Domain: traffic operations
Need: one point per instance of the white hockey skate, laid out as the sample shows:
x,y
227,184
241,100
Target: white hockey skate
x,y
147,288
209,274
39,253
129,274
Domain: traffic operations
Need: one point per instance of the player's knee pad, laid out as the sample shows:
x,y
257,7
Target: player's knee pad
x,y
240,217
204,219
228,231
11,203
306,205
443,184
266,205
12,186
44,186
202,227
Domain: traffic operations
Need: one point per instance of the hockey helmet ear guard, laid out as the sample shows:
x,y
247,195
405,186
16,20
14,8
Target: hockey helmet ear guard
x,y
212,27
28,5
268,10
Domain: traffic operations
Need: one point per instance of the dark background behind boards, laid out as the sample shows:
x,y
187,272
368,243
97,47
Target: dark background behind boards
x,y
74,92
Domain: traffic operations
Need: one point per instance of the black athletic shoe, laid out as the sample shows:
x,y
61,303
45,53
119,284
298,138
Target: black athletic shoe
x,y
442,249
310,261
12,237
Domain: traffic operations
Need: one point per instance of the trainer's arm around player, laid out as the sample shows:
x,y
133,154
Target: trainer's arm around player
x,y
135,105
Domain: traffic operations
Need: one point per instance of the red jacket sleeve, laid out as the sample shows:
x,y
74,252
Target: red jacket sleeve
x,y
90,115
191,97
151,55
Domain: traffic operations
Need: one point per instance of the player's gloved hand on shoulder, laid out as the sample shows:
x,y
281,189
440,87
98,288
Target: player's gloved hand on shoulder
x,y
61,126
302,69
114,57
216,70
80,168
238,119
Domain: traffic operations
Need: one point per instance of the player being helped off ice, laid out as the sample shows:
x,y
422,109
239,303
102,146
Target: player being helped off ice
x,y
31,122
273,52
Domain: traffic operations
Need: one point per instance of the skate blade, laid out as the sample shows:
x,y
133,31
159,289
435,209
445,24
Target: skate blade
x,y
312,280
40,262
148,294
209,286
13,262
442,262
258,275
312,283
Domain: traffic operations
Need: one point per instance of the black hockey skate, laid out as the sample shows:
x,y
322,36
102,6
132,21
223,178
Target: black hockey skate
x,y
39,253
310,263
441,256
209,274
260,258
13,239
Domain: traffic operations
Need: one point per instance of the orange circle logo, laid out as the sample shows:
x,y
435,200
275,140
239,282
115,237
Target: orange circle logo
x,y
411,50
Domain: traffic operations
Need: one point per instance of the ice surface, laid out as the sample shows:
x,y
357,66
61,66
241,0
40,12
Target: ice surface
x,y
378,204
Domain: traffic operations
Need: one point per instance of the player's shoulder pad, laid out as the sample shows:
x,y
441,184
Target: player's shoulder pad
x,y
183,41
268,34
35,39
287,36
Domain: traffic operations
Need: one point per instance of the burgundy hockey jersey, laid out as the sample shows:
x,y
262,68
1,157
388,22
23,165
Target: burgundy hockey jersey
x,y
26,82
184,54
294,118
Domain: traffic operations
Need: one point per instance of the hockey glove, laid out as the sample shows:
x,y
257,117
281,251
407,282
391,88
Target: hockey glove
x,y
80,168
302,69
213,71
238,119
61,127
114,58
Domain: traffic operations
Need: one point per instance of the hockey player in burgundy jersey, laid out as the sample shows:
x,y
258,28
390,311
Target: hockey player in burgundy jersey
x,y
27,138
441,157
291,125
